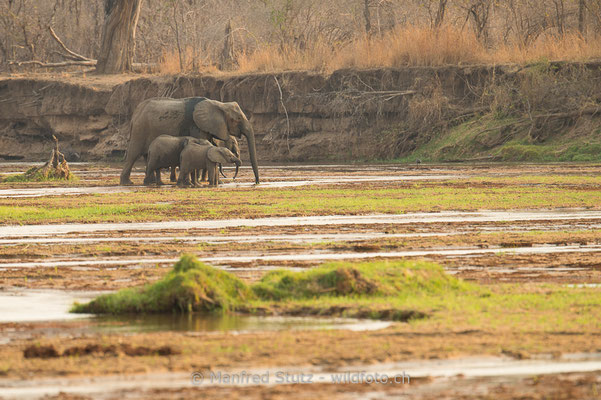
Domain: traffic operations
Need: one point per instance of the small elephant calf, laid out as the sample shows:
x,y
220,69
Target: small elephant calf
x,y
164,152
197,157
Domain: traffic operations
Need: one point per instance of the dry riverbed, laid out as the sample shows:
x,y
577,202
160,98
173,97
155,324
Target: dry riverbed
x,y
538,226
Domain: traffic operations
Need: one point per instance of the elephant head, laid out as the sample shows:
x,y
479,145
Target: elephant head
x,y
222,155
223,120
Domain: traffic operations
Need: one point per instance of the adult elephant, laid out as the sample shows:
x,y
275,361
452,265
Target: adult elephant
x,y
179,117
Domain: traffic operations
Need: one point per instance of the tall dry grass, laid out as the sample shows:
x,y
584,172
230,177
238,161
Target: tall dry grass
x,y
568,47
406,46
189,60
271,58
412,46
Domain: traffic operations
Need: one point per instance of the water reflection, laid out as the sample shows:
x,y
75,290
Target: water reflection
x,y
227,322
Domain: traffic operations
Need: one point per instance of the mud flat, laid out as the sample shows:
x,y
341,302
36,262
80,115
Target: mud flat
x,y
321,256
419,371
470,219
409,218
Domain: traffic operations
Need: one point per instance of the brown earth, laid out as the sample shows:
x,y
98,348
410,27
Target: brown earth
x,y
73,349
348,115
214,351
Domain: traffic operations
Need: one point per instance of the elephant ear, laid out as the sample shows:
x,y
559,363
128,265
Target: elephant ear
x,y
216,155
209,116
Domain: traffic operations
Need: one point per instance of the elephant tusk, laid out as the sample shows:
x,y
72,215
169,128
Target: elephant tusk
x,y
221,171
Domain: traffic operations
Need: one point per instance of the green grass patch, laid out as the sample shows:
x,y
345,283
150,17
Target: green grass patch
x,y
501,193
394,290
190,286
507,139
193,286
372,279
36,174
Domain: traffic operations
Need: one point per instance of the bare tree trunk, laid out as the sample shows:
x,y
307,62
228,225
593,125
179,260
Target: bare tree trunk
x,y
177,41
581,8
227,53
442,6
118,36
560,16
367,17
480,13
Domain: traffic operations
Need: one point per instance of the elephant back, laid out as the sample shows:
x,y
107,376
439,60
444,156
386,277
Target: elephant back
x,y
194,155
188,121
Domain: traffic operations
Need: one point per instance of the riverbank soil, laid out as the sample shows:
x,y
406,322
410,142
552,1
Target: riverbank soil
x,y
527,234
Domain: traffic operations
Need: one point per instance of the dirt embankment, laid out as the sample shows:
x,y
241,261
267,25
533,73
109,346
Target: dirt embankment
x,y
299,116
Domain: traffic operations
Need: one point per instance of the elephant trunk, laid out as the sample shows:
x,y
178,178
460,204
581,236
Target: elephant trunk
x,y
236,173
250,138
221,170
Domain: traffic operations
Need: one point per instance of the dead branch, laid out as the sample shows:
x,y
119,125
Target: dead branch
x,y
70,52
67,56
55,168
571,114
76,59
285,112
53,65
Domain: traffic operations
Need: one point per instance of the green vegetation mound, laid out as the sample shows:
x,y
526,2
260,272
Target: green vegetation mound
x,y
545,111
193,286
190,286
364,279
56,168
36,174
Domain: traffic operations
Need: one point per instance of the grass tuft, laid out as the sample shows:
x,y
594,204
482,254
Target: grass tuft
x,y
190,286
36,174
193,286
373,279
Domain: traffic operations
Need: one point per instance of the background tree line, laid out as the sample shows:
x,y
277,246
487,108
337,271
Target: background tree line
x,y
192,35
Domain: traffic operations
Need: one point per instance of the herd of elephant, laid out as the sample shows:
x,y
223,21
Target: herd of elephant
x,y
193,134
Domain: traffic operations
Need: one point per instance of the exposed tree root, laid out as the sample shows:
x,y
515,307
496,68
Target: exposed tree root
x,y
56,168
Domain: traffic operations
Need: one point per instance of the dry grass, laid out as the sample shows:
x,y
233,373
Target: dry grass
x,y
412,46
405,46
190,60
569,47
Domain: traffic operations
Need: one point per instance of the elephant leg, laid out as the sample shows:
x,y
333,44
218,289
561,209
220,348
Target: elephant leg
x,y
204,175
149,178
173,177
196,176
158,179
130,160
212,178
183,180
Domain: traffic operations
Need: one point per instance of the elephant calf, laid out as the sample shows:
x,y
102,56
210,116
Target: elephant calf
x,y
196,157
164,152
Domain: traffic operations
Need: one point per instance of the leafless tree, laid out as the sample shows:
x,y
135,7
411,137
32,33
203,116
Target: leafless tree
x,y
581,16
118,36
440,13
478,11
